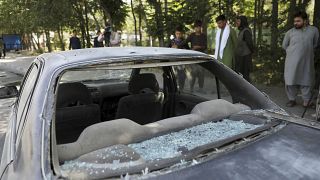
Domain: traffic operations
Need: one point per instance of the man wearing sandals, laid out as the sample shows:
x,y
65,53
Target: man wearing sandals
x,y
299,43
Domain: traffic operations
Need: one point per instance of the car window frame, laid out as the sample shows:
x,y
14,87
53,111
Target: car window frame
x,y
200,64
21,121
136,66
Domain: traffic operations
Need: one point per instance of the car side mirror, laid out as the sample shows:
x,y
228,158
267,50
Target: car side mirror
x,y
8,92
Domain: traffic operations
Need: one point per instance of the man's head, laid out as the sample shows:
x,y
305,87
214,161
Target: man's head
x,y
98,32
197,26
178,32
221,21
74,32
300,19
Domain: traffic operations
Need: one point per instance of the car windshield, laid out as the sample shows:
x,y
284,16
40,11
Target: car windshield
x,y
110,122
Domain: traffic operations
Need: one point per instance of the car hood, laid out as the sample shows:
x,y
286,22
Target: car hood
x,y
291,153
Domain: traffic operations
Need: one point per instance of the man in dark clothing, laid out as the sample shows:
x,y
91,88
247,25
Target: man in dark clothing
x,y
4,49
74,41
96,42
178,42
1,46
107,34
198,42
197,39
244,48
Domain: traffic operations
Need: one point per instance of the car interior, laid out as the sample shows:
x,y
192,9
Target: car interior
x,y
124,106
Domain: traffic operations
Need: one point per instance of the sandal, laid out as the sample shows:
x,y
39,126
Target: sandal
x,y
291,103
310,105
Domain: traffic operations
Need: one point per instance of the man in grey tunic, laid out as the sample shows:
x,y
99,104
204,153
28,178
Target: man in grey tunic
x,y
299,43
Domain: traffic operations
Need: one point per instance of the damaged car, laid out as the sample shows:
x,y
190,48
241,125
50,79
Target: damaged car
x,y
151,113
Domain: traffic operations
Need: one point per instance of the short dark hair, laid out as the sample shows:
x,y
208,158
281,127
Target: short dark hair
x,y
197,23
179,28
221,17
301,14
74,31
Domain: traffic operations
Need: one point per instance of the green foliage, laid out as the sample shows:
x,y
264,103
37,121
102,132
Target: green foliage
x,y
116,10
158,19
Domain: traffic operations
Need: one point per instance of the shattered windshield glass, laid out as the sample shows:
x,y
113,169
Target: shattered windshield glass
x,y
153,153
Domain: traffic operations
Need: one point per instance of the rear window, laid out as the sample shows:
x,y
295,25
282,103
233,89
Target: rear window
x,y
141,119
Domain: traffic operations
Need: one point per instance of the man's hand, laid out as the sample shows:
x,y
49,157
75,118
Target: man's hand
x,y
196,47
174,46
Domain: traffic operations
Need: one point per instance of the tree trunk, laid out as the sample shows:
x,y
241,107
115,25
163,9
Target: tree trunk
x,y
260,20
135,23
48,43
32,42
87,24
159,22
36,43
140,23
95,19
255,23
229,9
316,14
274,29
292,9
303,4
220,7
168,30
60,36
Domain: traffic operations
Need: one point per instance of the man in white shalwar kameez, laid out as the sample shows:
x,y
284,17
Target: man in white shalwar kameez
x,y
299,43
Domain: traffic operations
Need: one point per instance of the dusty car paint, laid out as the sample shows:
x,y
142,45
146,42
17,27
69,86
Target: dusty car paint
x,y
30,157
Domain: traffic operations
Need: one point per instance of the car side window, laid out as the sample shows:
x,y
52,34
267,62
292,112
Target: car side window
x,y
26,92
158,72
196,80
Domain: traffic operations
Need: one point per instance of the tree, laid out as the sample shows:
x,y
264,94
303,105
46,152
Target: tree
x,y
116,12
135,22
274,29
316,14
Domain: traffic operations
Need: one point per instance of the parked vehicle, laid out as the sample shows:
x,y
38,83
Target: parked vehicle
x,y
151,113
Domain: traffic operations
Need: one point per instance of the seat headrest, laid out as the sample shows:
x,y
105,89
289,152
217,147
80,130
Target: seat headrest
x,y
143,81
71,94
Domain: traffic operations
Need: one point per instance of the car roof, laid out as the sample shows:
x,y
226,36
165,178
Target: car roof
x,y
119,54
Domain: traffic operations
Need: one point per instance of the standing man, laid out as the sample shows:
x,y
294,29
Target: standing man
x,y
96,41
244,48
74,41
226,41
178,42
198,42
299,43
1,46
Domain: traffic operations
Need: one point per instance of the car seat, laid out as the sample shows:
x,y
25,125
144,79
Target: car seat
x,y
75,111
144,104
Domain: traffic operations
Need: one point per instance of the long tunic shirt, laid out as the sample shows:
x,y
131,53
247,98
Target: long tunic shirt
x,y
228,57
299,64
